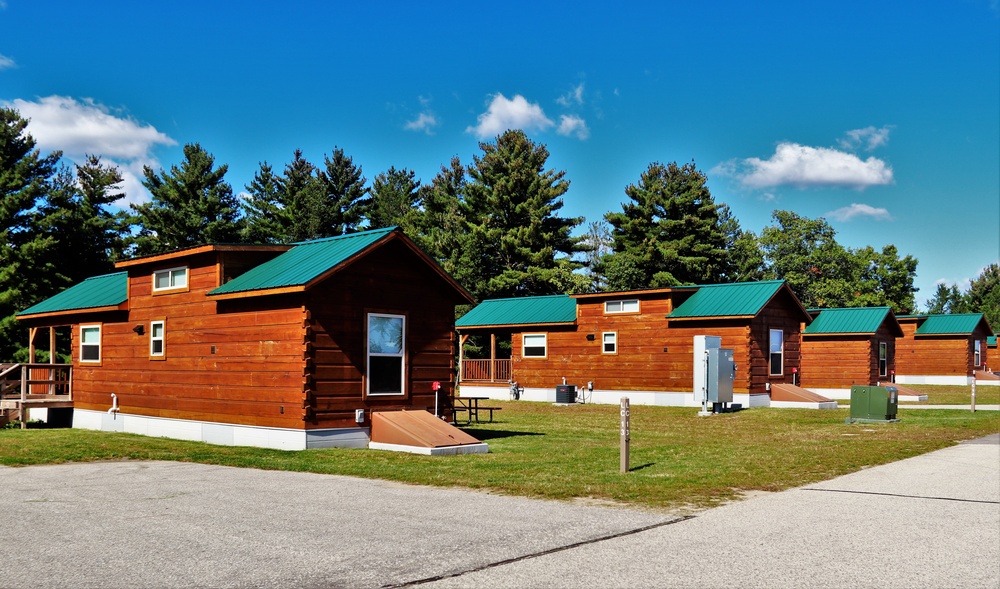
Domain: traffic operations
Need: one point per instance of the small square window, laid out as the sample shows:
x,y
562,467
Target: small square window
x,y
622,306
90,343
173,278
533,345
609,342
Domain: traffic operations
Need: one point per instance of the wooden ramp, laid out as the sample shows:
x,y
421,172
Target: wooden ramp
x,y
419,432
787,395
982,375
908,394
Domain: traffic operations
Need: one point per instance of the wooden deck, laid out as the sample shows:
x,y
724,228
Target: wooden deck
x,y
34,386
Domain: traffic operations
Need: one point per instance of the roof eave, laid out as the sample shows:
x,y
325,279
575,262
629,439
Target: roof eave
x,y
514,325
105,309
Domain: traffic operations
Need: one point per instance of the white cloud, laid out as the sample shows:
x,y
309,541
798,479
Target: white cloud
x,y
503,114
869,138
81,128
808,167
856,210
570,125
425,122
6,62
574,96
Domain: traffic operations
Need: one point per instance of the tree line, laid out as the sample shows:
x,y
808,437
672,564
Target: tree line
x,y
494,224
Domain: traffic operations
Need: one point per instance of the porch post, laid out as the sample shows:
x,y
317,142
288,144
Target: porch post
x,y
52,360
461,356
493,356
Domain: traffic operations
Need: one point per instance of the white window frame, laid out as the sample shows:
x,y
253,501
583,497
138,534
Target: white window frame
x,y
613,342
153,339
771,353
86,327
978,354
401,354
621,306
883,359
172,275
534,336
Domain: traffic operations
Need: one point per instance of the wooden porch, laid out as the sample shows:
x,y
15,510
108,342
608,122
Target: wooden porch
x,y
34,385
492,371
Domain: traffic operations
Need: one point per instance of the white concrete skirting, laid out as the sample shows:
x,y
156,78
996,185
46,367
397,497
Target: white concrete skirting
x,y
612,397
987,383
481,448
224,434
933,379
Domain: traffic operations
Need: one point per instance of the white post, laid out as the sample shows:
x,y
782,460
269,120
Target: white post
x,y
973,396
626,435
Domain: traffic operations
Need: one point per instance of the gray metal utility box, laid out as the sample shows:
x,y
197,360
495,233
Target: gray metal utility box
x,y
721,374
871,404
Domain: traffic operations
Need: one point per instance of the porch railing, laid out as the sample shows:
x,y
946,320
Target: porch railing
x,y
23,386
486,370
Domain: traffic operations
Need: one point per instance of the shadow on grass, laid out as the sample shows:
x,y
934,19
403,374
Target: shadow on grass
x,y
642,466
491,434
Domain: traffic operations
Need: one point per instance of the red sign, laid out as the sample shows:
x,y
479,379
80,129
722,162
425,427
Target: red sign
x,y
436,386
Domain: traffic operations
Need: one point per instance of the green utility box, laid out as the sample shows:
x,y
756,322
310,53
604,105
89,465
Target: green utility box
x,y
873,404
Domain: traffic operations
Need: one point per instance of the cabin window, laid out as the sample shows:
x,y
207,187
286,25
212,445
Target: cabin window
x,y
157,339
777,347
533,345
610,342
170,279
386,354
978,354
622,306
90,343
883,359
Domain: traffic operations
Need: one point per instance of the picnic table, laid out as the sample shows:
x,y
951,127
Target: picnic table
x,y
470,407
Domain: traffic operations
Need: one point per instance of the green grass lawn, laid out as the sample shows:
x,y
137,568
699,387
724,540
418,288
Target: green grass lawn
x,y
680,461
955,394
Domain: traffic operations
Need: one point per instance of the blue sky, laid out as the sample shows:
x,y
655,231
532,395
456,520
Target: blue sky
x,y
882,117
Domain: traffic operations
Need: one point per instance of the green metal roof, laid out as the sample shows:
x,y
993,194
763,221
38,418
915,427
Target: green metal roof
x,y
950,324
743,299
303,263
991,340
521,311
109,290
849,320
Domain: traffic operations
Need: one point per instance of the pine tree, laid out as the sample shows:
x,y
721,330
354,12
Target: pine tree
x,y
516,245
301,195
395,198
263,209
25,177
441,225
191,204
668,234
343,198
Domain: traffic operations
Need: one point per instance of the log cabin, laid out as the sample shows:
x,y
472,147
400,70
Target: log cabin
x,y
276,346
942,349
635,343
849,346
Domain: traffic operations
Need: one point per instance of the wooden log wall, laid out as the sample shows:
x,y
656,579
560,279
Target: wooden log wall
x,y
241,362
941,355
390,280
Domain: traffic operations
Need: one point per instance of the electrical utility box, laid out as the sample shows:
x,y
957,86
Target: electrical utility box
x,y
873,404
714,374
721,374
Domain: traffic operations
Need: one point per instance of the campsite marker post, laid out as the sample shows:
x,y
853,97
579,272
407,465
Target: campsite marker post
x,y
973,396
626,434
